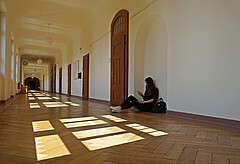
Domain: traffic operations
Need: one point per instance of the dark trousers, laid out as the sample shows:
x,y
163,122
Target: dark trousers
x,y
133,101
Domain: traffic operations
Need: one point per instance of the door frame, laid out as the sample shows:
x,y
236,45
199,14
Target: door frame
x,y
54,78
60,80
85,96
124,13
69,79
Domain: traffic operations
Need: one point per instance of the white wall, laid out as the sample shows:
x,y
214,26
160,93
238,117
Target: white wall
x,y
99,69
198,52
150,57
203,67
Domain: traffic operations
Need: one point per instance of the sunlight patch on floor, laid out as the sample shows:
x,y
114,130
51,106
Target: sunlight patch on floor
x,y
54,104
147,130
85,123
71,103
44,98
56,98
48,147
38,94
34,105
97,132
113,118
31,98
104,142
78,119
39,126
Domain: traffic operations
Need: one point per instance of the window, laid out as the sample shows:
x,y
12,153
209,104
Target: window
x,y
16,68
12,59
3,42
119,25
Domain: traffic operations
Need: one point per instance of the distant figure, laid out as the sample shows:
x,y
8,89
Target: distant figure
x,y
150,96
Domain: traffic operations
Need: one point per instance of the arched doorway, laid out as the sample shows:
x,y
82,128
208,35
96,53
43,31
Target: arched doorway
x,y
119,57
33,83
150,59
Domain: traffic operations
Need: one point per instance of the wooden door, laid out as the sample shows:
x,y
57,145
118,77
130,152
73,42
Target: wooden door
x,y
69,80
43,83
60,80
119,57
85,90
54,78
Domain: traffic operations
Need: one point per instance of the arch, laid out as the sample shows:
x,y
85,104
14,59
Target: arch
x,y
150,58
33,83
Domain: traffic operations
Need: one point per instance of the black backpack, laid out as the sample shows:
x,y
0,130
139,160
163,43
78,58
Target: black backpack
x,y
159,107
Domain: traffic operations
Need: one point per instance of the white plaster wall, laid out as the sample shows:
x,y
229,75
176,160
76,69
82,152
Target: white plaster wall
x,y
99,69
65,77
202,55
150,58
76,83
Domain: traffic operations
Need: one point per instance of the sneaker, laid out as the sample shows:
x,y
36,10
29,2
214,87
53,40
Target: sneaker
x,y
112,107
116,109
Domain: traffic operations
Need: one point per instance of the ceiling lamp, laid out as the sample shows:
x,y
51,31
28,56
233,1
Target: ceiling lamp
x,y
48,39
39,61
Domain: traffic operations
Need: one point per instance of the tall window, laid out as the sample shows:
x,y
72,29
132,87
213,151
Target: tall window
x,y
12,59
16,67
3,42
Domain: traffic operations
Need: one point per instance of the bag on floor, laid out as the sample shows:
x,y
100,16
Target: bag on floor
x,y
159,107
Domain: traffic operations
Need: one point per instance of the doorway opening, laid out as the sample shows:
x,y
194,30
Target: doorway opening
x,y
85,77
33,83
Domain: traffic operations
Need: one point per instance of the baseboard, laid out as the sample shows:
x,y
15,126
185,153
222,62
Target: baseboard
x,y
100,101
206,120
89,99
6,101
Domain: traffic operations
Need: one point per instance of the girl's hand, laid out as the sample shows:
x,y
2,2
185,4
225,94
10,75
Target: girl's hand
x,y
142,102
140,93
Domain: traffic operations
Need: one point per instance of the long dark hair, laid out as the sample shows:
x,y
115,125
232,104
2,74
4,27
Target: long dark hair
x,y
150,87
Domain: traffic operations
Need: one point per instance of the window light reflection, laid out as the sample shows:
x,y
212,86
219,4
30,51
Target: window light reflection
x,y
44,98
48,147
85,123
104,142
56,98
113,118
70,103
148,130
77,119
34,105
39,126
97,132
54,104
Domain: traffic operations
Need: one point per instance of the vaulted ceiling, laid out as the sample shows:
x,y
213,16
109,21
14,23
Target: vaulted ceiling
x,y
64,21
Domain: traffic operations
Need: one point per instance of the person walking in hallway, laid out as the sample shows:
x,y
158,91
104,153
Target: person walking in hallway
x,y
150,96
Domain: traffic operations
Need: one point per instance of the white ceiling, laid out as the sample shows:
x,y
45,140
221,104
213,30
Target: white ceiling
x,y
70,21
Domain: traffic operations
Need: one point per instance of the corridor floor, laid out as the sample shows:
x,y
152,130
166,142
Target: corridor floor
x,y
50,128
